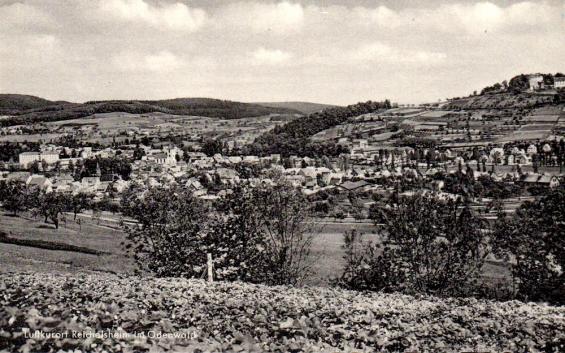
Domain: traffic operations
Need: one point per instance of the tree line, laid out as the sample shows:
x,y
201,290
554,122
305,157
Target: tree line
x,y
293,137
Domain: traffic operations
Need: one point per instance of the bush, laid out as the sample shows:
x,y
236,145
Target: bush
x,y
429,246
169,239
534,243
254,234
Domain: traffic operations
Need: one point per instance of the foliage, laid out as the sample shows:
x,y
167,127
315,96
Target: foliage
x,y
12,196
110,165
254,234
10,151
428,246
169,239
293,137
417,142
211,147
172,314
11,103
79,202
484,186
50,205
534,243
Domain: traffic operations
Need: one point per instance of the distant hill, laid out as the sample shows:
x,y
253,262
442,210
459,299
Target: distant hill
x,y
13,103
304,107
54,111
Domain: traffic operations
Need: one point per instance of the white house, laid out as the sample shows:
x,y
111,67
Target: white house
x,y
26,158
559,82
536,82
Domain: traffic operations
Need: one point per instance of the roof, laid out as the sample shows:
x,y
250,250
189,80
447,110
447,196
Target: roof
x,y
352,185
545,179
436,113
531,178
37,180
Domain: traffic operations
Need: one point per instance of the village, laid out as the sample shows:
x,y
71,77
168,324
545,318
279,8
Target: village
x,y
363,175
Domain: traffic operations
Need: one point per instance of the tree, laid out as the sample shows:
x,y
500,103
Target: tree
x,y
533,242
12,196
211,147
254,234
170,237
429,246
287,231
51,205
79,202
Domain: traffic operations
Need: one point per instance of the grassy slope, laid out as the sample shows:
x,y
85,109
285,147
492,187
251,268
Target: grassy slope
x,y
230,317
506,100
89,235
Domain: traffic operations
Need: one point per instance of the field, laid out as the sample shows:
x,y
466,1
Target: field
x,y
108,127
104,236
326,255
106,240
103,312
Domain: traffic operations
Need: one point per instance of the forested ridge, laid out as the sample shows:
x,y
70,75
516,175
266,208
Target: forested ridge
x,y
293,137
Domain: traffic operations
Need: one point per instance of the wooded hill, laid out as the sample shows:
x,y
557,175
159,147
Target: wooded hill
x,y
30,109
293,137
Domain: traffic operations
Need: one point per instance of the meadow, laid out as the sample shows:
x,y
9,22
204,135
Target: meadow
x,y
106,237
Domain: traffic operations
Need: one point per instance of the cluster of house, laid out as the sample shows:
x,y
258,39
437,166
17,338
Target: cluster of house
x,y
363,169
537,83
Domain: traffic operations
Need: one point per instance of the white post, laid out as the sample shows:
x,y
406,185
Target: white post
x,y
210,273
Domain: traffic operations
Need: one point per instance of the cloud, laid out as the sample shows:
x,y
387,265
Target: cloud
x,y
24,17
332,51
470,18
263,56
175,16
162,61
381,52
278,18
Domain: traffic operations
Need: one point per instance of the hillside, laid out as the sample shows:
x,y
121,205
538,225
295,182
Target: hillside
x,y
207,107
176,314
515,93
304,107
503,100
14,103
293,137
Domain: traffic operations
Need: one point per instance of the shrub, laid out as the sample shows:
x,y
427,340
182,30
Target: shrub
x,y
534,243
254,234
429,246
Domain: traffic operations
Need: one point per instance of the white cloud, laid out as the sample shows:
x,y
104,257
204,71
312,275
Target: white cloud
x,y
381,52
162,61
278,18
471,18
264,56
341,53
21,16
175,16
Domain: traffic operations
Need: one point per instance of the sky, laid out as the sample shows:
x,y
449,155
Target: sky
x,y
333,51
